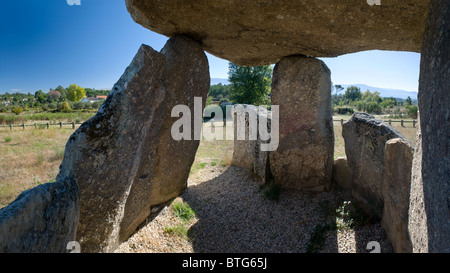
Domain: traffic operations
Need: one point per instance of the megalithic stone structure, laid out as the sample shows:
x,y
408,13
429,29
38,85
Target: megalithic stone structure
x,y
124,159
429,209
301,86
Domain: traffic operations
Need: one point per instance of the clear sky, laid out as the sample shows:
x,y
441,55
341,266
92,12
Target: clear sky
x,y
46,43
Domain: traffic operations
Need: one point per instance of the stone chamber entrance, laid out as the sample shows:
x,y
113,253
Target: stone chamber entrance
x,y
123,168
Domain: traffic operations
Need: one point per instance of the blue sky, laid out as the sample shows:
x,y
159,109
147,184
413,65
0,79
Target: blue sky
x,y
46,43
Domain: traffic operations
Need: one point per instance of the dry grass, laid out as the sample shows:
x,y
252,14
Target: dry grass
x,y
28,158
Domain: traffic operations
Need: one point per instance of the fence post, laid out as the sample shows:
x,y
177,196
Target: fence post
x,y
402,123
414,123
73,124
35,125
60,124
390,122
10,127
23,125
342,122
48,125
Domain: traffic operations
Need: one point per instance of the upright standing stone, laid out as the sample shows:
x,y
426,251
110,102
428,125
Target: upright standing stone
x,y
398,155
301,87
261,166
429,213
365,138
342,175
244,141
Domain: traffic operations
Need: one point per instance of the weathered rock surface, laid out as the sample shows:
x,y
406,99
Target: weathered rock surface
x,y
186,77
43,219
261,155
120,158
342,176
301,86
365,138
429,222
244,143
252,151
262,32
398,156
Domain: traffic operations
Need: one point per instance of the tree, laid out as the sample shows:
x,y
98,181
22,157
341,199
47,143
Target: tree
x,y
75,93
338,88
352,93
408,101
250,85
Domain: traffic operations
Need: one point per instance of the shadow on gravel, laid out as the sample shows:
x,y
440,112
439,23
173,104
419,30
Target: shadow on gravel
x,y
236,217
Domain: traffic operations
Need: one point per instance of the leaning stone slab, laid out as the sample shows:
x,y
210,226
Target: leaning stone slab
x,y
43,219
398,156
124,158
365,138
304,159
116,149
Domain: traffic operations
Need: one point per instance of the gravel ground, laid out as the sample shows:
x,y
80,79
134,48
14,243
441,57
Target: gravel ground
x,y
233,216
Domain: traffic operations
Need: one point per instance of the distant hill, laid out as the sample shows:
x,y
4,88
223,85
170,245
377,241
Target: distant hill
x,y
215,81
384,92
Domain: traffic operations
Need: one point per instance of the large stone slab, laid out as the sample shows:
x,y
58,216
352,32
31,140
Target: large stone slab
x,y
262,32
301,87
365,138
43,219
106,153
429,222
398,156
124,159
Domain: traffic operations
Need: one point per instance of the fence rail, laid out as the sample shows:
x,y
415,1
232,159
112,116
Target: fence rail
x,y
73,124
41,125
387,121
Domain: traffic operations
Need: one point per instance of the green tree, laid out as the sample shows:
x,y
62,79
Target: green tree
x,y
408,101
352,93
75,93
250,85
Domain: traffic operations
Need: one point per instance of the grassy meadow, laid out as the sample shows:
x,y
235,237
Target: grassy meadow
x,y
32,156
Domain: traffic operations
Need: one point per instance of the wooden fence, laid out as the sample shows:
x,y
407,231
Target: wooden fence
x,y
388,121
73,124
42,125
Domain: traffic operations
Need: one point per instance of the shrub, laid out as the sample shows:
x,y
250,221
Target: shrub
x,y
78,105
52,106
345,110
17,110
412,111
64,107
8,139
